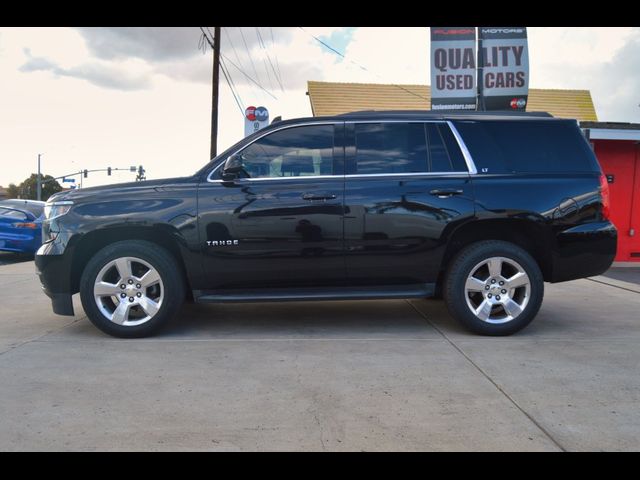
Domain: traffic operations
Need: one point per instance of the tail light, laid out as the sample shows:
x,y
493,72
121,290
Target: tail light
x,y
606,199
25,225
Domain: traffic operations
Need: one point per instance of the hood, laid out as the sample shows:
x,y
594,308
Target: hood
x,y
118,188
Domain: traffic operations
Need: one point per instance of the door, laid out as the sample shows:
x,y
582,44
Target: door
x,y
407,187
620,163
280,224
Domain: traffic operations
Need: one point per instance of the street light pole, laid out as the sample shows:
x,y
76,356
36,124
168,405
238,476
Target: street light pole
x,y
39,180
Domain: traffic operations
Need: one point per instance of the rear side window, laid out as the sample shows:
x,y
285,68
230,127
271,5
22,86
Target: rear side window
x,y
406,148
390,148
444,152
527,147
458,163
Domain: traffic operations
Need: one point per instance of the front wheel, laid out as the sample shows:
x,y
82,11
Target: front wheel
x,y
131,289
494,288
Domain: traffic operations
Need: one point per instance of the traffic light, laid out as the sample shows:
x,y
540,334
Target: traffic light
x,y
108,170
140,173
86,173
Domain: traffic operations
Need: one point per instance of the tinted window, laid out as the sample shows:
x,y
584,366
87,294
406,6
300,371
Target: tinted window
x,y
482,147
458,163
293,152
527,146
437,151
390,148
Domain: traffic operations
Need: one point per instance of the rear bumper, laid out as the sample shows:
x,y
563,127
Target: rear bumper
x,y
19,243
54,271
584,251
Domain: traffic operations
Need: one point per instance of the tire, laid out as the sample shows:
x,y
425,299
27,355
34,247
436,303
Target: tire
x,y
154,289
476,297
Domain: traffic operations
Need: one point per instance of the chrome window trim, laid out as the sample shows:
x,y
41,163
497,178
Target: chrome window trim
x,y
264,179
350,176
465,153
463,147
408,174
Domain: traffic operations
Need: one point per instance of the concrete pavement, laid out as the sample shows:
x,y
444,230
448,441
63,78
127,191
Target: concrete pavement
x,y
374,375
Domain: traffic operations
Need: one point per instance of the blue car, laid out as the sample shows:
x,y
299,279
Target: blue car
x,y
21,225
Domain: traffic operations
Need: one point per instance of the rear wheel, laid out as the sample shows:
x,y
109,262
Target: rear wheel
x,y
131,289
494,288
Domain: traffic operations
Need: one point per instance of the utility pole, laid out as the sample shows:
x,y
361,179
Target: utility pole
x,y
214,94
39,181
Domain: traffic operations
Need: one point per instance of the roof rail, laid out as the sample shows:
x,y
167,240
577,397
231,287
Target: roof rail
x,y
439,113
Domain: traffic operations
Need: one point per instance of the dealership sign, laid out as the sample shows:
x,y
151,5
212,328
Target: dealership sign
x,y
255,119
503,59
453,68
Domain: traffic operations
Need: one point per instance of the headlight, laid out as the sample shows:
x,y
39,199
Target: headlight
x,y
56,209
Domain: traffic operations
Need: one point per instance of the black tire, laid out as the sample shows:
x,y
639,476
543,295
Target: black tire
x,y
456,296
173,287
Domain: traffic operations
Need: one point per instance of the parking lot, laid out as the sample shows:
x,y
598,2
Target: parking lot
x,y
366,375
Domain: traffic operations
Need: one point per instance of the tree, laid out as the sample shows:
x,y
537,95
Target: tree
x,y
13,191
29,188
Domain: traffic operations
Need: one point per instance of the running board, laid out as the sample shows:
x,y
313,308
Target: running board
x,y
309,294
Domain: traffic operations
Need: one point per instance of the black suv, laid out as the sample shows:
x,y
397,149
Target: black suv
x,y
479,208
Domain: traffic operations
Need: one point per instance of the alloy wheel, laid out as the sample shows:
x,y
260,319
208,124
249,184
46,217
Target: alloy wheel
x,y
497,290
128,291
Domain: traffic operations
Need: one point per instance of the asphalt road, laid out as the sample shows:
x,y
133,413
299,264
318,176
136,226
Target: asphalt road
x,y
368,375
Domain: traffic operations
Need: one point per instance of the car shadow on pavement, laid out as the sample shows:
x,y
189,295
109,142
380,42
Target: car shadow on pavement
x,y
329,319
7,258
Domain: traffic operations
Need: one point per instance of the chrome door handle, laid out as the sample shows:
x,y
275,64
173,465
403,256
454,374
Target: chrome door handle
x,y
318,196
446,192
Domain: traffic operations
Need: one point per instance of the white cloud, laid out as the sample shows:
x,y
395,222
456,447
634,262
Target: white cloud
x,y
100,74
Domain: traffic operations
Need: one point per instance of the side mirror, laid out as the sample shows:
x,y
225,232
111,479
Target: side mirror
x,y
233,165
233,168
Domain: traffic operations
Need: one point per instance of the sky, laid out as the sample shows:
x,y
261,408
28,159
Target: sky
x,y
93,97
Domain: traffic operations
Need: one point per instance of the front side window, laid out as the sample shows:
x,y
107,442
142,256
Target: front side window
x,y
293,152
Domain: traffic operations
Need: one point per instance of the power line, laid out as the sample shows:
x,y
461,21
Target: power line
x,y
246,47
249,78
273,44
227,77
235,52
259,37
326,45
261,43
232,46
264,47
223,56
268,74
205,37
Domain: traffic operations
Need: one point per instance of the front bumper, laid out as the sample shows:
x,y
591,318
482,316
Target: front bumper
x,y
54,270
584,251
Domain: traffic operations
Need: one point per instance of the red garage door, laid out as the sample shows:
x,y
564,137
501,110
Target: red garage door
x,y
620,161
